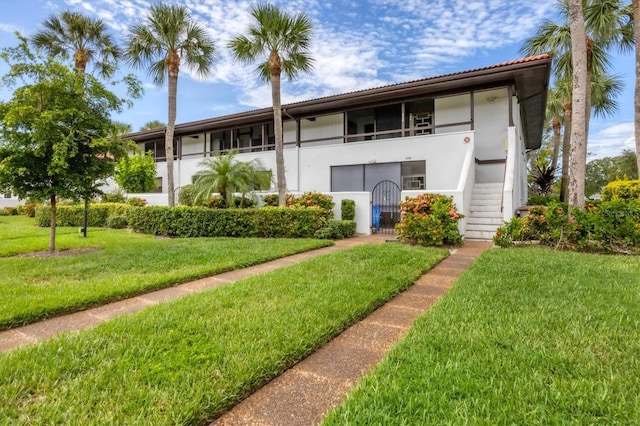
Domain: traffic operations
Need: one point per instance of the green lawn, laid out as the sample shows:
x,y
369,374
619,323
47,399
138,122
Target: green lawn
x,y
187,361
526,336
125,264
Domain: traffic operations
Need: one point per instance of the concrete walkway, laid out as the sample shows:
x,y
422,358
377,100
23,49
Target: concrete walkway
x,y
305,393
32,333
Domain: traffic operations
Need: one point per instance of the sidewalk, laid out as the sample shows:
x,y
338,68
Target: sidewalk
x,y
305,393
32,333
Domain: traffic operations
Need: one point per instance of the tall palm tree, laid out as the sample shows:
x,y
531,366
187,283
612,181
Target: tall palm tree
x,y
578,159
282,41
83,38
167,39
606,27
224,174
636,37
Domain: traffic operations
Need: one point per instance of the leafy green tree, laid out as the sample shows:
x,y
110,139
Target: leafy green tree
x,y
82,38
282,41
225,175
136,173
57,138
601,171
168,39
154,124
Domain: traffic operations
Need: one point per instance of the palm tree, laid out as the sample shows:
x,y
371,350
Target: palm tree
x,y
578,159
83,38
223,174
167,39
636,37
153,124
282,41
605,27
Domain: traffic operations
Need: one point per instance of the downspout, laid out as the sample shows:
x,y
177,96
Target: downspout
x,y
297,120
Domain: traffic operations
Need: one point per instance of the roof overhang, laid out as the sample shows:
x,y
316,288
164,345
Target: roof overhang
x,y
529,76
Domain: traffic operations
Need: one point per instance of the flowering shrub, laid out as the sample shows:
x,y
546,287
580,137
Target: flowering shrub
x,y
272,200
429,220
315,199
610,227
306,200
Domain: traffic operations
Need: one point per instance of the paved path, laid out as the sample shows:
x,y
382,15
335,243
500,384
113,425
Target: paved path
x,y
305,393
28,334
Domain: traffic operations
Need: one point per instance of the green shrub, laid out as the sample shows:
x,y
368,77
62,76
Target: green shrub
x,y
187,195
117,221
268,222
30,209
97,214
117,196
348,209
136,202
9,211
271,200
337,230
541,200
315,200
429,220
609,227
622,190
217,202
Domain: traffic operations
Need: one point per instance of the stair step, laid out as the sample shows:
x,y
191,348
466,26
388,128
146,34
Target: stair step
x,y
485,214
479,235
491,220
475,208
485,201
479,227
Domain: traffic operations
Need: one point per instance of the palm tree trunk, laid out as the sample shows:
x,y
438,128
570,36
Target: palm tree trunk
x,y
636,33
52,230
577,162
168,138
277,126
566,152
556,124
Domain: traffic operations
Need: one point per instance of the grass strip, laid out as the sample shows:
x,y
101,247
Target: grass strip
x,y
526,336
33,288
187,361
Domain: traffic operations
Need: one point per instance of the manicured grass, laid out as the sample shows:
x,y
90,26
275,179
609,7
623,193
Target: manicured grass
x,y
187,361
526,336
33,288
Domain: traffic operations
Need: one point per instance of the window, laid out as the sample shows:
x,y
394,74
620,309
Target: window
x,y
374,123
419,117
157,148
7,194
220,141
158,188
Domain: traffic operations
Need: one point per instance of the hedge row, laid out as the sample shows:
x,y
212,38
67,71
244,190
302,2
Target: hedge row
x,y
266,222
337,230
97,214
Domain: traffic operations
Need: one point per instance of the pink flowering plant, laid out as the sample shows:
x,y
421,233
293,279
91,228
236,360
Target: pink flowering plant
x,y
429,220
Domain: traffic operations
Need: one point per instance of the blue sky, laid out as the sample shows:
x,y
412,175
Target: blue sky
x,y
356,44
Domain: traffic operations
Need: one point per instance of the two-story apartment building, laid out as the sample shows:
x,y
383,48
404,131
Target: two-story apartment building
x,y
464,134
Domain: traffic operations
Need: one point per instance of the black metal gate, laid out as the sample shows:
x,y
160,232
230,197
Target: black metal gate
x,y
385,207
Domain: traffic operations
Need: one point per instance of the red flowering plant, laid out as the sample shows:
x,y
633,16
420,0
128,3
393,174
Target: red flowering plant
x,y
315,200
429,220
272,200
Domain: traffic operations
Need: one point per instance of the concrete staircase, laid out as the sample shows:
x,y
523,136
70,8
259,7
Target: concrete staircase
x,y
486,215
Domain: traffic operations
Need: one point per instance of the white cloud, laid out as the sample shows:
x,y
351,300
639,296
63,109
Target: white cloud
x,y
611,140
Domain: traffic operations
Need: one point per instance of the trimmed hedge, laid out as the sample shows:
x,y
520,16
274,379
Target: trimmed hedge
x,y
73,215
337,230
348,210
266,222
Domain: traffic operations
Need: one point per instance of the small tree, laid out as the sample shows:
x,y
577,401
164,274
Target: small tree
x,y
57,138
225,175
136,173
